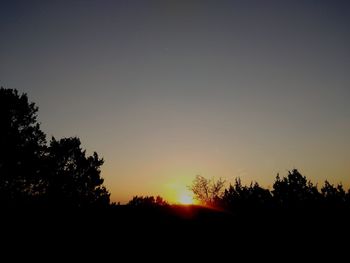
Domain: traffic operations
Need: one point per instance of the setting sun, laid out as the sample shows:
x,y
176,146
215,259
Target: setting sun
x,y
186,199
178,192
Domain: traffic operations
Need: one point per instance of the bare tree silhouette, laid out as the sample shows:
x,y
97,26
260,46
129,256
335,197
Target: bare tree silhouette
x,y
207,191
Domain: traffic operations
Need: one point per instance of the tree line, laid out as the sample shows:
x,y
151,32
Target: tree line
x,y
289,193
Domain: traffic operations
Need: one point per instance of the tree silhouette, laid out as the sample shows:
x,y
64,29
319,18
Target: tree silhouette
x,y
333,196
207,191
142,201
147,201
294,191
32,172
22,145
241,197
160,201
74,178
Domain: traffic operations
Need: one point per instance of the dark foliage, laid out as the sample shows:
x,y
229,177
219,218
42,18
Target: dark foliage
x,y
147,201
294,191
22,146
73,178
291,193
334,196
241,197
33,173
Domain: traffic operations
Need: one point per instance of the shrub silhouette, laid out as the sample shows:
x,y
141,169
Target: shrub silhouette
x,y
241,197
333,196
294,191
33,173
147,201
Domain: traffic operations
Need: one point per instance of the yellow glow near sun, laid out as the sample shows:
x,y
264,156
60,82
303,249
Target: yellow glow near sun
x,y
178,193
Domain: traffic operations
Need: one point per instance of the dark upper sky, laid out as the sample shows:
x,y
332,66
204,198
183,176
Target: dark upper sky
x,y
165,90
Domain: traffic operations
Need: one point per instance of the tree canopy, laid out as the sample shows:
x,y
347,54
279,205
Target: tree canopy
x,y
22,146
74,178
33,172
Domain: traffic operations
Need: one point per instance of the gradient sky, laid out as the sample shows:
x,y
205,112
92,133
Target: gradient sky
x,y
166,90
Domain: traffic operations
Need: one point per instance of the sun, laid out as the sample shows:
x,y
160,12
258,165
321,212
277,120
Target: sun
x,y
178,193
186,199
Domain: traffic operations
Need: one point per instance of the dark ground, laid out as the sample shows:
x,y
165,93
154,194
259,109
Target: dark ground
x,y
165,233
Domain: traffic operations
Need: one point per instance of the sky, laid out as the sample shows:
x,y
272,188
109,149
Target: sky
x,y
167,90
